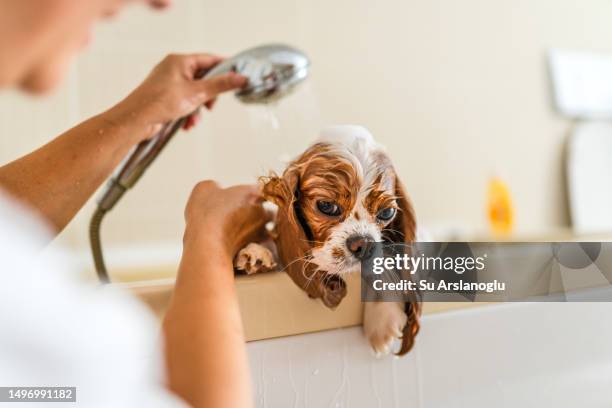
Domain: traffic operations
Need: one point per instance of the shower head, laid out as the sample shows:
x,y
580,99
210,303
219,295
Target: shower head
x,y
273,71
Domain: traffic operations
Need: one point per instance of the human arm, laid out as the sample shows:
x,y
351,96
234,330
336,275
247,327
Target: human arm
x,y
205,351
58,178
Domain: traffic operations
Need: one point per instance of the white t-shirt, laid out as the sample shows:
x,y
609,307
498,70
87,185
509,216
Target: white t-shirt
x,y
56,330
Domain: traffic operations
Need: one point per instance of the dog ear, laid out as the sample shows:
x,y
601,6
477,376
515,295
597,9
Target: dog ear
x,y
293,240
413,311
404,231
280,190
403,227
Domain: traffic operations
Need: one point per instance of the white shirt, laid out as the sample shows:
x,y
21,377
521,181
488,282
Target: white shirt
x,y
56,330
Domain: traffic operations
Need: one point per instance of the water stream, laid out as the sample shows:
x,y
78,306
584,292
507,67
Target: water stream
x,y
287,126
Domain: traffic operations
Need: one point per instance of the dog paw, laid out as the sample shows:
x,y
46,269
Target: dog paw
x,y
383,323
254,258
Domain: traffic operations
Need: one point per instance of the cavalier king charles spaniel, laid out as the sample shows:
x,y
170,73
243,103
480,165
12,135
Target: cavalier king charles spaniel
x,y
336,199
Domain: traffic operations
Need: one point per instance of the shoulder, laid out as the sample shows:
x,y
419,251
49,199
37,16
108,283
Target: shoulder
x,y
59,329
20,227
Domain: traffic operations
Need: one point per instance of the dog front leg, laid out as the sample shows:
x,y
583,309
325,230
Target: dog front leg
x,y
255,258
383,322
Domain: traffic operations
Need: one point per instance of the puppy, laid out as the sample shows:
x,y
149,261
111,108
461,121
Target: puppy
x,y
336,199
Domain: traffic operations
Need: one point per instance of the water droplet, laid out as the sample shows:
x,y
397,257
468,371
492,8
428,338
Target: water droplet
x,y
315,372
274,122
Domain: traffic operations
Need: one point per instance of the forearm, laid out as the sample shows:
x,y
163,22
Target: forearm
x,y
58,178
205,346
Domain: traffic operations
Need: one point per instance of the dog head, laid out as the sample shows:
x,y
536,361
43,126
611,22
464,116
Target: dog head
x,y
336,199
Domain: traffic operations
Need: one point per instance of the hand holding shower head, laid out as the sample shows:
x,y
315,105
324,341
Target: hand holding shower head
x,y
272,70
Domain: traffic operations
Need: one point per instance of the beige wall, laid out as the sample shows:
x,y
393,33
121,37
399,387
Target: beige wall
x,y
456,89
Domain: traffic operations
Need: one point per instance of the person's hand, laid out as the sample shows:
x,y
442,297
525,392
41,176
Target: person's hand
x,y
232,217
204,308
171,92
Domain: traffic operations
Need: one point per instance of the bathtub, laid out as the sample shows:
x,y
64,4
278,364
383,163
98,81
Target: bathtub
x,y
506,355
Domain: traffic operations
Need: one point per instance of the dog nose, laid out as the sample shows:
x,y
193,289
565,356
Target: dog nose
x,y
359,245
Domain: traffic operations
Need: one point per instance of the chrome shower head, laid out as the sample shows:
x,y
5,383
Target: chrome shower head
x,y
273,71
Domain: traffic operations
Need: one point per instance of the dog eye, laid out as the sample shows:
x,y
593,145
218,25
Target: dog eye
x,y
386,214
329,208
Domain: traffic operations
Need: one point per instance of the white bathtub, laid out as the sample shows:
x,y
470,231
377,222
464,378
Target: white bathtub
x,y
511,355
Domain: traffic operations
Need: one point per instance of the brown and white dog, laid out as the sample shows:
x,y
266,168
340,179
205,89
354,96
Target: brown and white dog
x,y
338,197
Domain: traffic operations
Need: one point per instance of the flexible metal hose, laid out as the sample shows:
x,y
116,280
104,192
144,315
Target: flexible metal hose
x,y
129,173
96,244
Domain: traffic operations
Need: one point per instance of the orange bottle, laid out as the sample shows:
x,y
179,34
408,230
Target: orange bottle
x,y
500,210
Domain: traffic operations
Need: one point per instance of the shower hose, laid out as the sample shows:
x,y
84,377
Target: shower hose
x,y
136,164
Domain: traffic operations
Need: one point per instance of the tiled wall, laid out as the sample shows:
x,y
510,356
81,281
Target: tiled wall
x,y
457,91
